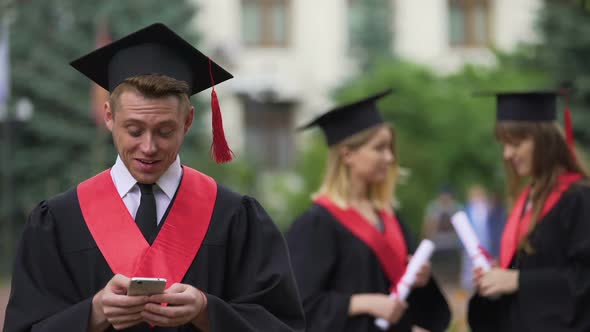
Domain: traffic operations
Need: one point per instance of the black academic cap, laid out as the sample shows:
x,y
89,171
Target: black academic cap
x,y
152,50
533,106
158,50
347,120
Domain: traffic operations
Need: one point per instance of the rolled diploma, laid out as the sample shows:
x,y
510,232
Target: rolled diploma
x,y
470,240
404,285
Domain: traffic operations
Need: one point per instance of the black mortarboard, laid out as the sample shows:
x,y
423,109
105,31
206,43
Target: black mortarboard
x,y
152,50
531,106
158,50
534,106
347,120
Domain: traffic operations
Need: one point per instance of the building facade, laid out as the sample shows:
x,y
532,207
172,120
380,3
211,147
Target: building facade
x,y
288,56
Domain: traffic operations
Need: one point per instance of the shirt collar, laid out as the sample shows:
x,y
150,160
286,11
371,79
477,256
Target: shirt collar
x,y
168,182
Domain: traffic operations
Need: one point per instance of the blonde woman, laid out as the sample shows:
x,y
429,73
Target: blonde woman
x,y
349,248
542,282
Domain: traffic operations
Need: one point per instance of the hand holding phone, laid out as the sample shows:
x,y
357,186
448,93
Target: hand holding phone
x,y
146,286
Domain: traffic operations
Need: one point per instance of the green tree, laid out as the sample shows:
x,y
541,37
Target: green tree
x,y
563,51
56,149
370,30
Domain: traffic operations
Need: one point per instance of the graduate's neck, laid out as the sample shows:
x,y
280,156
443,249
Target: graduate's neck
x,y
358,191
358,198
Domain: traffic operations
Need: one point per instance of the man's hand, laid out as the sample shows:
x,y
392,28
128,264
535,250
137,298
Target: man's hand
x,y
112,306
185,304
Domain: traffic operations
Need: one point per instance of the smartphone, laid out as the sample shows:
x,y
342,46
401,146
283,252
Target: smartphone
x,y
146,286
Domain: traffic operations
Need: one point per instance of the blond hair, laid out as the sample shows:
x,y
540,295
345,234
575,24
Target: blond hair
x,y
336,182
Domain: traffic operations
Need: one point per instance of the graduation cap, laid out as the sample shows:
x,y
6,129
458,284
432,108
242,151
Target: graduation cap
x,y
156,49
347,120
533,106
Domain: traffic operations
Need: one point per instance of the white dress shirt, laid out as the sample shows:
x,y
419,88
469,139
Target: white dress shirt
x,y
164,189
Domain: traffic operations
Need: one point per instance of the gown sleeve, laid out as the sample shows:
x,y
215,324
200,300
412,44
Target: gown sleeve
x,y
313,250
43,296
260,292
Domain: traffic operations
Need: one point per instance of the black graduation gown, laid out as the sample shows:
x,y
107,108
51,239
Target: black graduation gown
x,y
554,282
331,264
242,266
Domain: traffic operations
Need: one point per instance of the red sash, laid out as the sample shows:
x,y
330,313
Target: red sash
x,y
120,241
518,223
389,246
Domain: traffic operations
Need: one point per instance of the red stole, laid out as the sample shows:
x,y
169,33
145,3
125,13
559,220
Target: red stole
x,y
389,246
120,241
518,223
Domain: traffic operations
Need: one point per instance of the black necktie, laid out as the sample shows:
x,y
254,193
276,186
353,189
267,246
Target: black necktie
x,y
146,213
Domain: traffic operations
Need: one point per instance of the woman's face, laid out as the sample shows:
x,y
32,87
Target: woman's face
x,y
372,161
519,153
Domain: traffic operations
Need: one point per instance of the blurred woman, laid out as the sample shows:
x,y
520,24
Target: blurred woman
x,y
542,282
349,248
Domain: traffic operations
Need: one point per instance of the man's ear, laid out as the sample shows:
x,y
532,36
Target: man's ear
x,y
188,121
109,115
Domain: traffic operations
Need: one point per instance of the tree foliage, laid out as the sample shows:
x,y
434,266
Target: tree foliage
x,y
563,51
60,145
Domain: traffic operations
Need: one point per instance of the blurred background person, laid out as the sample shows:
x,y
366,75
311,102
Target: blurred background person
x,y
437,226
478,209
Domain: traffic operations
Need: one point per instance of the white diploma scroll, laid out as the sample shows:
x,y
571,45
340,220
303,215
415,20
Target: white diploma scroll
x,y
404,285
470,241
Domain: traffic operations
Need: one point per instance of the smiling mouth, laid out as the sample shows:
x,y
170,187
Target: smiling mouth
x,y
147,162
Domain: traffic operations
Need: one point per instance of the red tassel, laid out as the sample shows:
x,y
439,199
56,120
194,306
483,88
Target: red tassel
x,y
569,131
567,119
220,150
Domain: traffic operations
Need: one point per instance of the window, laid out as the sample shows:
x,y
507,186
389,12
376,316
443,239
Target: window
x,y
355,24
369,26
269,133
469,23
265,23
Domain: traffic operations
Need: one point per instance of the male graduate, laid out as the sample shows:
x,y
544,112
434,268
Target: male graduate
x,y
226,264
